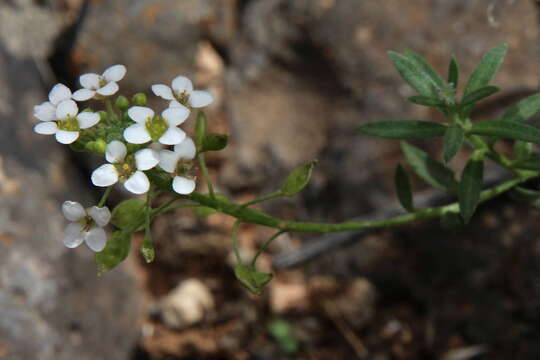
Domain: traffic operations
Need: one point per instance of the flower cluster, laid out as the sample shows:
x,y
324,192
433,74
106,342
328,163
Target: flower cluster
x,y
126,133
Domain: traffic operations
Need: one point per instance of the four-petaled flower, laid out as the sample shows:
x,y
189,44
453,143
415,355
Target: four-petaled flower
x,y
86,225
67,122
182,94
156,128
127,169
179,163
104,85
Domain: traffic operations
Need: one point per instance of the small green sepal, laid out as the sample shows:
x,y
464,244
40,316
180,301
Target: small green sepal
x,y
298,179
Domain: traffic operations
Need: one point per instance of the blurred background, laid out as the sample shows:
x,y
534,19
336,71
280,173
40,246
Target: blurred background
x,y
291,78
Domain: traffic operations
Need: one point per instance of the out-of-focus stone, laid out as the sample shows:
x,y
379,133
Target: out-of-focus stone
x,y
187,304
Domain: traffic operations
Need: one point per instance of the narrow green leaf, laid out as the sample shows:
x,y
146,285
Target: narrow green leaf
x,y
128,213
486,69
214,142
414,74
453,72
425,101
116,251
507,129
251,279
478,95
453,138
429,169
524,109
402,129
531,163
200,129
426,68
470,187
298,179
523,194
403,188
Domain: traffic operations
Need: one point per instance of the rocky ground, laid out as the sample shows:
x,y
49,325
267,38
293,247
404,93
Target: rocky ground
x,y
291,79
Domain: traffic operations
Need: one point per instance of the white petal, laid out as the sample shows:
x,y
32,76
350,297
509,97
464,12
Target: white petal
x,y
109,89
66,137
73,236
115,73
172,136
140,113
137,183
137,134
168,160
163,91
105,175
66,108
183,185
46,128
198,98
73,211
45,111
83,94
181,84
90,81
115,152
101,215
186,149
146,159
174,104
59,92
87,119
175,115
96,239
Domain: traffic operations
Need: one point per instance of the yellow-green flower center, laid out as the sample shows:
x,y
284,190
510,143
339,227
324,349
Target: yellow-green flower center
x,y
126,168
156,127
68,124
87,223
182,98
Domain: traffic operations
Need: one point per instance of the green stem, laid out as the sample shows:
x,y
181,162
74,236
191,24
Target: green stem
x,y
250,215
235,242
202,164
109,107
105,196
263,198
168,207
265,246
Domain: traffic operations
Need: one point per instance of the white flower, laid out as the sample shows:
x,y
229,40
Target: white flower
x,y
179,163
127,169
66,122
104,85
156,128
182,93
46,111
86,225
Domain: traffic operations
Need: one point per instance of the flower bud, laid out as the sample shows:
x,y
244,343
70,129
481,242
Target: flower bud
x,y
122,103
139,99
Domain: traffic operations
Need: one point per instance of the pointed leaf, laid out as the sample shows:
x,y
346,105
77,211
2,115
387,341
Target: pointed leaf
x,y
425,101
403,188
507,129
486,69
426,68
478,95
470,188
453,72
531,163
429,169
214,142
453,138
524,109
116,251
298,179
402,129
414,75
251,279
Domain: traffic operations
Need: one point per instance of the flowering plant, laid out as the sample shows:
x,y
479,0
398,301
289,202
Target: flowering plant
x,y
150,154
